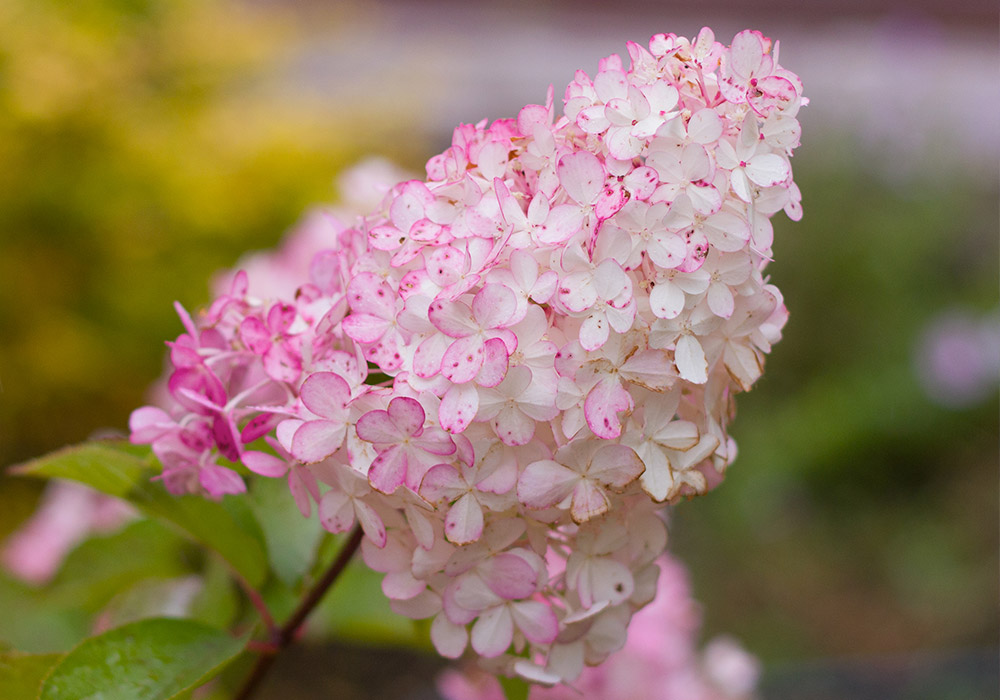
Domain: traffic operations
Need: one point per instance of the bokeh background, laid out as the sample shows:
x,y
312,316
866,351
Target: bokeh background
x,y
146,144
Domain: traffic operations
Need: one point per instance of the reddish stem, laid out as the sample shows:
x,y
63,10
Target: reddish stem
x,y
286,634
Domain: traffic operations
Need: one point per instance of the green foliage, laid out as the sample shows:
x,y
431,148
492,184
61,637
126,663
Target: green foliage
x,y
154,659
514,688
120,469
291,539
21,674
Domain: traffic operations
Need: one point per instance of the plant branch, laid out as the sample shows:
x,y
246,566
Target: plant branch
x,y
286,634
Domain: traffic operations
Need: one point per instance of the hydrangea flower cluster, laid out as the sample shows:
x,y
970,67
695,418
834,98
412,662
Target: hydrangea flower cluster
x,y
660,660
505,370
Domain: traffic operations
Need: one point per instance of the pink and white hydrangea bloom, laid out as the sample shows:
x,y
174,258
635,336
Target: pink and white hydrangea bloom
x,y
504,370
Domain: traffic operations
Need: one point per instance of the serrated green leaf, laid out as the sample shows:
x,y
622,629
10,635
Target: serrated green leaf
x,y
113,467
155,659
21,674
291,539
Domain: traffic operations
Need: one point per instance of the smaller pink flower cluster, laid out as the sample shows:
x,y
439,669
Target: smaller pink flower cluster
x,y
660,659
505,369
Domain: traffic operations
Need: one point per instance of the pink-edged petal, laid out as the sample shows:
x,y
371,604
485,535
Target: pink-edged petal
x,y
326,394
365,328
494,305
582,176
378,427
407,414
401,585
458,407
513,427
452,318
602,406
746,53
536,620
464,523
442,482
463,359
545,483
509,576
594,331
448,638
316,440
666,300
336,511
264,464
768,169
371,523
427,359
388,470
493,632
495,362
560,225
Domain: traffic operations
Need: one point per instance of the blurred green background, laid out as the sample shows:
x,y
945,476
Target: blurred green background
x,y
148,143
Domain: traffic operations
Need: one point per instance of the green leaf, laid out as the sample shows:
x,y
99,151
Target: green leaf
x,y
100,567
154,659
21,675
31,622
113,467
118,468
291,539
217,602
209,523
514,688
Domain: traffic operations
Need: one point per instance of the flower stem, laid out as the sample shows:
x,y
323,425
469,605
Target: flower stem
x,y
286,634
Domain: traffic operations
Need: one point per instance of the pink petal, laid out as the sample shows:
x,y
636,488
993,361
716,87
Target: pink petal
x,y
463,359
582,176
378,427
219,481
365,328
448,638
326,394
452,318
458,407
388,470
264,464
545,483
589,501
316,440
407,414
494,305
615,466
495,363
464,523
602,405
536,620
336,512
493,632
